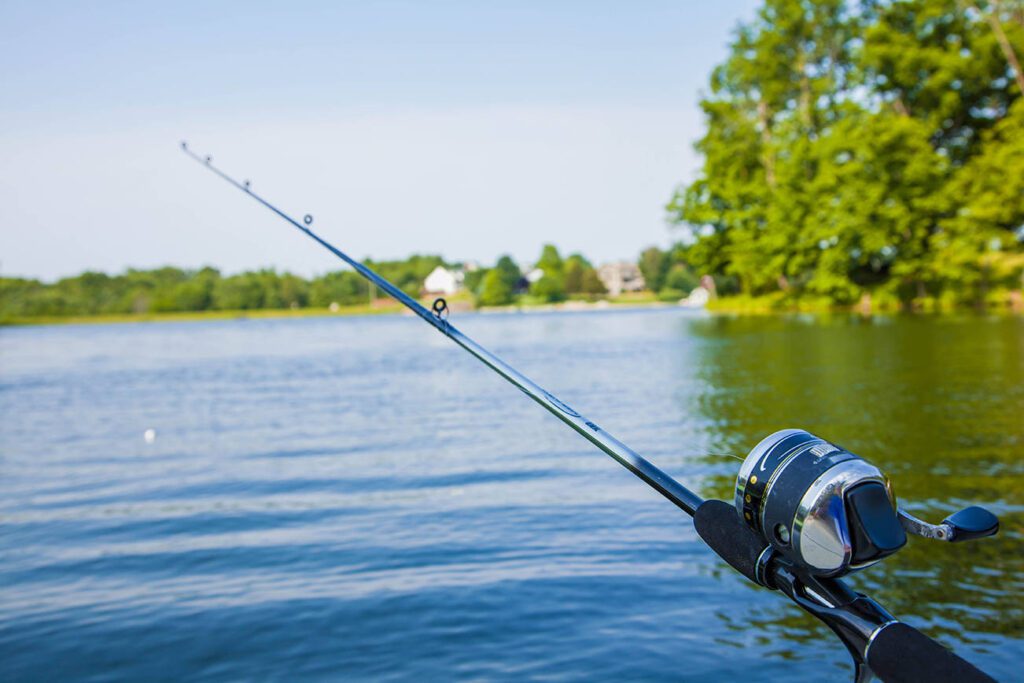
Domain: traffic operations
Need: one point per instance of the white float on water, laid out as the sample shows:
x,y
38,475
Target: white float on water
x,y
149,435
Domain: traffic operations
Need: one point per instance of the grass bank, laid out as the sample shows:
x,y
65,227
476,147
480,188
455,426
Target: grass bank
x,y
1002,300
384,307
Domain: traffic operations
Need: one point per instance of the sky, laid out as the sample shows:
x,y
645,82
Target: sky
x,y
466,129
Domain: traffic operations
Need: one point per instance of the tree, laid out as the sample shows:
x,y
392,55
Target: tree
x,y
978,242
844,151
654,264
343,287
549,288
591,283
509,271
474,279
573,277
681,278
495,290
550,261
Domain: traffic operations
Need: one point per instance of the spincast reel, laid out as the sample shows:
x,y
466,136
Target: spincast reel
x,y
831,511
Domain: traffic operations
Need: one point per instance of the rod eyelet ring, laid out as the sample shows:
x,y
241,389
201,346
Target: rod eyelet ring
x,y
440,308
307,219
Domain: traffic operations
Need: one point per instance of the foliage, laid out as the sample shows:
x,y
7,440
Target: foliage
x,y
862,148
549,288
550,261
173,289
495,290
551,285
409,274
509,272
654,264
168,289
681,277
591,284
580,278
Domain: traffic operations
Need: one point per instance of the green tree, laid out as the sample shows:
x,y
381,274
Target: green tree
x,y
573,277
474,279
549,288
550,261
681,278
844,151
495,290
343,287
591,283
654,264
978,242
509,271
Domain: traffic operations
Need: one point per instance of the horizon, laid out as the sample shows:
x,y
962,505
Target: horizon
x,y
523,265
456,129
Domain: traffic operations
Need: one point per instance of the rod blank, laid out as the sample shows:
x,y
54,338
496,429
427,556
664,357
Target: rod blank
x,y
681,496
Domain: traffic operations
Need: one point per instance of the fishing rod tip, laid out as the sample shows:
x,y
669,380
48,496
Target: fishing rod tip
x,y
184,145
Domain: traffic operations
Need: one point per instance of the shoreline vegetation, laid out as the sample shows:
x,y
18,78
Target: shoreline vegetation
x,y
729,305
457,304
658,278
171,293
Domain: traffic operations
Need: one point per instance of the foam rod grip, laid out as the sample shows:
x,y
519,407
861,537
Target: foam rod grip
x,y
720,526
902,654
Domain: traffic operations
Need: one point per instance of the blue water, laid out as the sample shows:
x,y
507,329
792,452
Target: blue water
x,y
356,499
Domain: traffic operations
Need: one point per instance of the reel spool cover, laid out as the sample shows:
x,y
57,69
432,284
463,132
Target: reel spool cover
x,y
819,504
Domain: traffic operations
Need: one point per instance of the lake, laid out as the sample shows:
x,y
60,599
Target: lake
x,y
355,498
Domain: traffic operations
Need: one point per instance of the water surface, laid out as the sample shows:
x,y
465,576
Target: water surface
x,y
357,499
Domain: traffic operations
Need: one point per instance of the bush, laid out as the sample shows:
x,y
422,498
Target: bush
x,y
669,294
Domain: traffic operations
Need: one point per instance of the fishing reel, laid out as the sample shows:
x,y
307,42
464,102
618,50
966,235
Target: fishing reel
x,y
830,511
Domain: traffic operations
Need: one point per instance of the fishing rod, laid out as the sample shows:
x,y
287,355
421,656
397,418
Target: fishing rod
x,y
806,511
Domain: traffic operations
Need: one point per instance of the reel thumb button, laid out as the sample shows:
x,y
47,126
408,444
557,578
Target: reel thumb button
x,y
874,527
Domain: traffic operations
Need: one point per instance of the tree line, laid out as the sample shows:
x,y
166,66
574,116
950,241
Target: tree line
x,y
864,149
171,289
558,279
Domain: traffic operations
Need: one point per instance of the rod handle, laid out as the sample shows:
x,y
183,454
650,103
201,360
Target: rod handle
x,y
719,525
901,654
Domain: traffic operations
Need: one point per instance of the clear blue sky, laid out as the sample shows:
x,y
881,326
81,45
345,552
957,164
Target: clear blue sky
x,y
469,129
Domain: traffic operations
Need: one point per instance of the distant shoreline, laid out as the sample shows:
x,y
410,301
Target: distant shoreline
x,y
733,305
381,307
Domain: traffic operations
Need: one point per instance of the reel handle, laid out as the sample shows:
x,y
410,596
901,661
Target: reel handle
x,y
966,525
901,654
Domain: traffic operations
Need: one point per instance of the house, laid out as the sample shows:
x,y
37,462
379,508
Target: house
x,y
620,277
698,298
443,281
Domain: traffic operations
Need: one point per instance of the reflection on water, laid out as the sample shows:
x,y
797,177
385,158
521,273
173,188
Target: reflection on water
x,y
937,403
354,498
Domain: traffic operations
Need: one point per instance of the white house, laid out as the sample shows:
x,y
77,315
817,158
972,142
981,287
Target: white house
x,y
443,281
620,277
698,298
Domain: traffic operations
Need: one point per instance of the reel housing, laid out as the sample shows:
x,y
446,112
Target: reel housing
x,y
831,511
